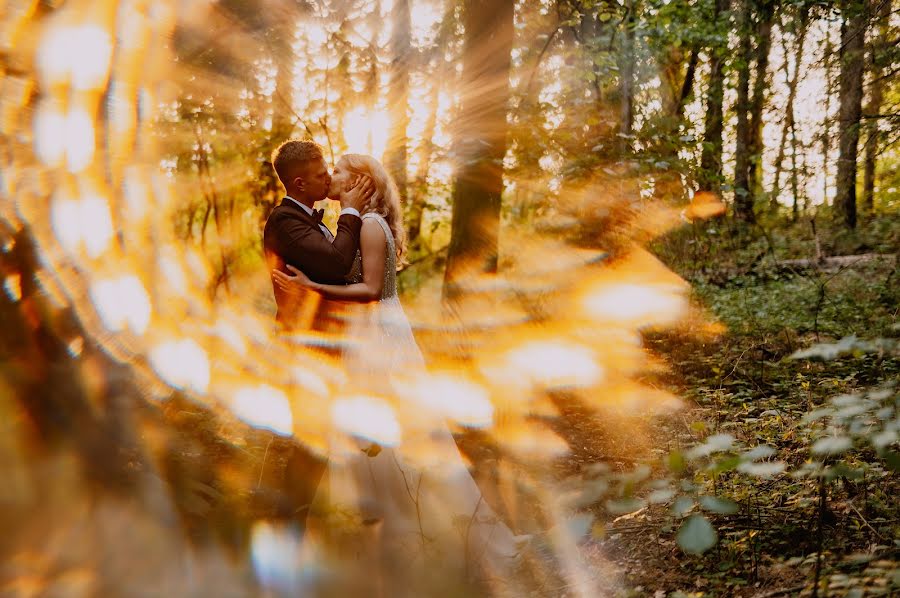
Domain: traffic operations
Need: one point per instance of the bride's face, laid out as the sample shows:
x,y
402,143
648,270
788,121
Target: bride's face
x,y
340,180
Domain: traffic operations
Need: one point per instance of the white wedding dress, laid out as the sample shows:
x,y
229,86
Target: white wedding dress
x,y
405,514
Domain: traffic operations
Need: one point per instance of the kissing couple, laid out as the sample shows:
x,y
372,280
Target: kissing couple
x,y
399,512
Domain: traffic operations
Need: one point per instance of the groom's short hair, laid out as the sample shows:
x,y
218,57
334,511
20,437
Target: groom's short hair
x,y
291,153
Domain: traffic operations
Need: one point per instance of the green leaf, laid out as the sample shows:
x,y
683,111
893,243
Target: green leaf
x,y
832,445
725,464
676,462
579,525
760,451
660,496
762,470
893,460
843,470
697,535
683,504
714,444
723,506
884,438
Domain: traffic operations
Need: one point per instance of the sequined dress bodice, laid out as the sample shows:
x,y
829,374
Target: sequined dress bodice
x,y
390,260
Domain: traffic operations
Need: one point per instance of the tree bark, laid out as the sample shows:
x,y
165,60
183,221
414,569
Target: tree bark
x,y
766,11
480,141
419,190
874,107
743,197
398,95
853,36
626,77
711,155
790,119
687,86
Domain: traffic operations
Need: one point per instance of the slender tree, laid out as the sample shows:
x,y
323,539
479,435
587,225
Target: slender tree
x,y
853,36
398,94
873,108
743,196
765,12
480,140
419,190
711,154
791,80
626,71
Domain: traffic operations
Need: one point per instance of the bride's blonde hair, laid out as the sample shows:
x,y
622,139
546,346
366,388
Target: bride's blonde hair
x,y
386,199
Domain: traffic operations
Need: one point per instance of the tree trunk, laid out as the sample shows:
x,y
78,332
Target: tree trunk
x,y
853,37
743,198
419,190
711,156
480,141
398,95
765,15
790,119
874,107
687,86
626,74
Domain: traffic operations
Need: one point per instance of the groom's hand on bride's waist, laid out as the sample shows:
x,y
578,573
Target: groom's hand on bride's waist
x,y
294,283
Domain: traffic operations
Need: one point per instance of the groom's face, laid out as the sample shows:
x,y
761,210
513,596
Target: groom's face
x,y
315,180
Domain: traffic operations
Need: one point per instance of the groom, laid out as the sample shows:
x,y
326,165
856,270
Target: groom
x,y
294,233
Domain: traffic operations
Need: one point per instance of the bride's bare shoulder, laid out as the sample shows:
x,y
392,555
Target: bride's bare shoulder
x,y
372,231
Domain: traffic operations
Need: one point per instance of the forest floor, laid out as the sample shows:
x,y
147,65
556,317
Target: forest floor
x,y
742,383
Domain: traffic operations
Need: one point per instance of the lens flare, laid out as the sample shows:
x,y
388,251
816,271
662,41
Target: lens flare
x,y
366,131
83,222
368,418
553,364
49,126
78,138
122,302
263,407
275,552
635,304
12,284
450,395
79,55
182,363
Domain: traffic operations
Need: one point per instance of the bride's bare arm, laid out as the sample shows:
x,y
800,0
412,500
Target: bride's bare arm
x,y
373,247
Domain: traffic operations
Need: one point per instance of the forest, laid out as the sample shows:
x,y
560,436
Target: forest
x,y
656,241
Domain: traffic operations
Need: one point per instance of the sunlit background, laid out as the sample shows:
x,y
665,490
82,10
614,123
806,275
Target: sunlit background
x,y
135,183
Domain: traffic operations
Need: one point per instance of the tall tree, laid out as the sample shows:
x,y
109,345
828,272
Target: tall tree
x,y
398,94
873,108
480,140
743,196
626,71
853,37
419,190
765,12
789,125
711,154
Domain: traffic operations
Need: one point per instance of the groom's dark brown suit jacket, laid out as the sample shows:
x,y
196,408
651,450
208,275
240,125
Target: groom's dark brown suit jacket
x,y
291,236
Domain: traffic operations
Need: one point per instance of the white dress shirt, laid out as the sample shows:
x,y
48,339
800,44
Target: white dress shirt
x,y
325,231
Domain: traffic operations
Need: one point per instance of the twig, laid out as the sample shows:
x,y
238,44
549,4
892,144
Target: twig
x,y
263,466
782,592
537,61
863,519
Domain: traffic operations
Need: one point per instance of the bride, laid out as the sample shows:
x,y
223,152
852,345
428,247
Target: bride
x,y
407,511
